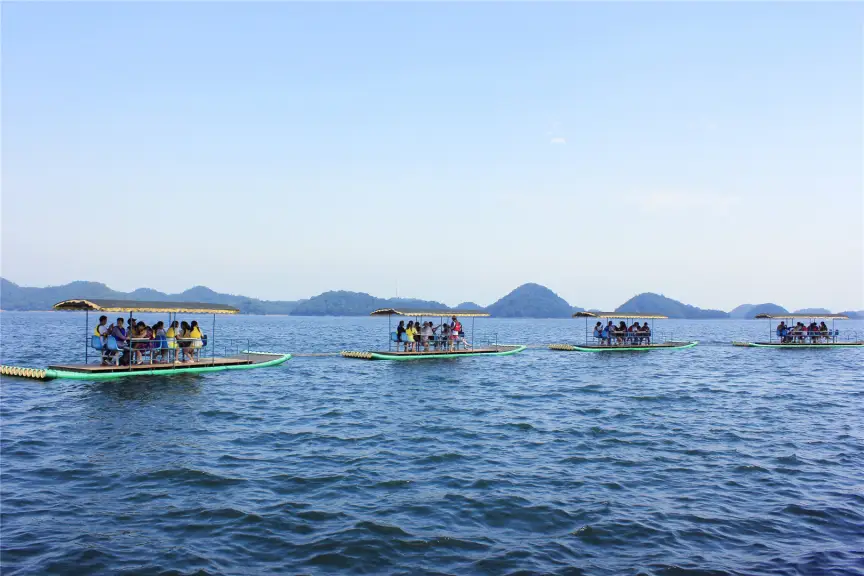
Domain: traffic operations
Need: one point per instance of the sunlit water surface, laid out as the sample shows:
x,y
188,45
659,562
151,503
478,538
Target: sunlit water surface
x,y
713,460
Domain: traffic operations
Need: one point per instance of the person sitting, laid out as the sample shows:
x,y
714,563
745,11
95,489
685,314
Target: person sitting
x,y
609,330
101,329
184,343
159,345
621,332
645,334
445,336
141,341
400,336
605,336
780,328
196,338
823,331
813,330
598,332
119,334
632,333
171,337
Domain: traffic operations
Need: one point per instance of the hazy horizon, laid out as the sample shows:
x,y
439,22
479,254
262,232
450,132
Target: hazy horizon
x,y
587,306
708,152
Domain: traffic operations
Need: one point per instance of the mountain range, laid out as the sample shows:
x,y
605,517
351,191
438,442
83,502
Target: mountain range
x,y
526,301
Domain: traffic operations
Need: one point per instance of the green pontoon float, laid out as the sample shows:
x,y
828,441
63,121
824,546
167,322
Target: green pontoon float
x,y
790,336
106,359
435,347
605,340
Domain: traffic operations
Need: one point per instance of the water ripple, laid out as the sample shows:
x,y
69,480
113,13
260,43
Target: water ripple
x,y
711,461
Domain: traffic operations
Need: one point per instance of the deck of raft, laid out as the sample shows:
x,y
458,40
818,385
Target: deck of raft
x,y
239,360
442,352
625,347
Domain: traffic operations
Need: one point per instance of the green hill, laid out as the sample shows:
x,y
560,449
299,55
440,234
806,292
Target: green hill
x,y
531,301
748,311
815,311
15,297
344,303
648,303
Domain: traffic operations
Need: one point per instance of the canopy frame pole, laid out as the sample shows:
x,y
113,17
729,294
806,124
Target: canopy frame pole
x,y
213,341
389,339
472,332
586,330
130,346
86,328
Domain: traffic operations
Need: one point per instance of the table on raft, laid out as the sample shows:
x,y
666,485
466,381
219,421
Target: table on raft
x,y
434,354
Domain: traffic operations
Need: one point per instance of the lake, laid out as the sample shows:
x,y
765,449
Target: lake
x,y
712,460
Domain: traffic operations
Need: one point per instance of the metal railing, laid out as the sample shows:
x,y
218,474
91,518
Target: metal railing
x,y
159,351
831,336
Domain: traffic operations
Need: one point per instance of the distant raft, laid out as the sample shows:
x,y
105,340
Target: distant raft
x,y
160,357
611,338
496,351
439,346
792,337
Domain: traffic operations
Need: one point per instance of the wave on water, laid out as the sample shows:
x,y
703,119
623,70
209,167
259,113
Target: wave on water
x,y
707,461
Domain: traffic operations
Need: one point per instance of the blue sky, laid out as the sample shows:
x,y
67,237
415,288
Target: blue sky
x,y
710,152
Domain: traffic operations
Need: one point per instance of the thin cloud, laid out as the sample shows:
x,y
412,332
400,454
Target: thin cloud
x,y
686,202
558,140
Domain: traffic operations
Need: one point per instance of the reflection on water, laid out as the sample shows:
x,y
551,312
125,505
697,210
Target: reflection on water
x,y
715,460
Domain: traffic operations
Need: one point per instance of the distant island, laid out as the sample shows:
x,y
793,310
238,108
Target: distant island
x,y
746,311
648,302
527,301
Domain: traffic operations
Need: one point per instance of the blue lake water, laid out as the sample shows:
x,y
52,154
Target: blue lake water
x,y
713,460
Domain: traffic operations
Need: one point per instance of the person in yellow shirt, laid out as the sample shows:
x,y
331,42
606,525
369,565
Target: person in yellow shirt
x,y
195,340
101,329
410,331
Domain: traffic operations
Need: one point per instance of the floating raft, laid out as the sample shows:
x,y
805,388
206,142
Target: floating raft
x,y
384,355
628,348
807,345
247,361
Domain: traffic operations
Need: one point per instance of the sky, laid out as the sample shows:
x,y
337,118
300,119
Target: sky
x,y
710,152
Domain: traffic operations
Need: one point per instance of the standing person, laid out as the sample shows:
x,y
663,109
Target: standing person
x,y
409,336
610,331
445,336
455,333
400,336
598,331
425,334
436,340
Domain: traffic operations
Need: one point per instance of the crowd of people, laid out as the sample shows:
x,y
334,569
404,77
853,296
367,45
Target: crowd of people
x,y
800,332
621,334
416,336
178,342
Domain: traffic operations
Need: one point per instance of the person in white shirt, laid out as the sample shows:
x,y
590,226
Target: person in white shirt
x,y
425,334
